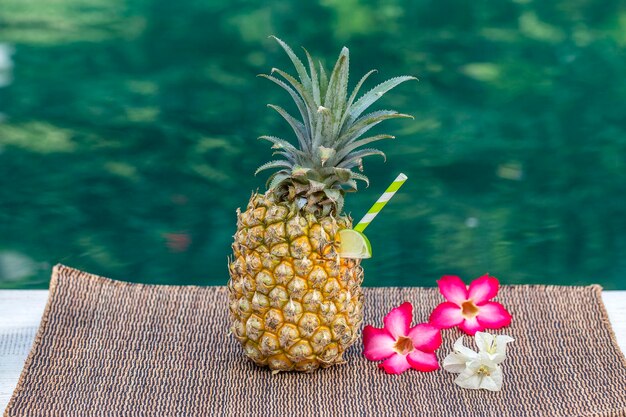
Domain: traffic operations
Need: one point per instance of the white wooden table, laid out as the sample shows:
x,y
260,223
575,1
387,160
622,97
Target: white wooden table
x,y
21,310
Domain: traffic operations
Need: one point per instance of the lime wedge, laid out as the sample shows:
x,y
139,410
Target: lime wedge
x,y
354,245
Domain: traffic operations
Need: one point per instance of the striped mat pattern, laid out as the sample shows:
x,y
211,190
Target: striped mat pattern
x,y
109,348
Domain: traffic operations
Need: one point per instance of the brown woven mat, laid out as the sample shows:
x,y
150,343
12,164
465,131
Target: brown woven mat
x,y
107,348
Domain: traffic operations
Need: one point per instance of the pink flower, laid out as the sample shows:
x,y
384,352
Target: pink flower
x,y
401,346
470,309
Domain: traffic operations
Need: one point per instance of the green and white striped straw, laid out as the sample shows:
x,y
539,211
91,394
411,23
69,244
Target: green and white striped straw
x,y
380,203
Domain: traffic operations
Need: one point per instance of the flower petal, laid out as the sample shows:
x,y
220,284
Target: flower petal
x,y
468,379
493,315
454,362
395,364
466,352
481,361
398,321
423,361
471,326
425,337
485,342
377,343
453,288
446,315
494,381
501,341
483,289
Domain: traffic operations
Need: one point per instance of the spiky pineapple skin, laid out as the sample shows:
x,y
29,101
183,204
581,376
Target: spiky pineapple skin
x,y
295,305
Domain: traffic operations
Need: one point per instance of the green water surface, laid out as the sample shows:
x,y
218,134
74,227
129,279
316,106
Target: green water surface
x,y
128,134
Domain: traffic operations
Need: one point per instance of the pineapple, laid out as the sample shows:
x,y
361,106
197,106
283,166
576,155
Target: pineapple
x,y
295,304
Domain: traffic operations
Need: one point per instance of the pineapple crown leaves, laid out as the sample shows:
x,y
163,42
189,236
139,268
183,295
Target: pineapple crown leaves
x,y
329,131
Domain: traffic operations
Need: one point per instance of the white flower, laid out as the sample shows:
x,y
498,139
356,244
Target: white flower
x,y
460,356
481,373
494,346
478,370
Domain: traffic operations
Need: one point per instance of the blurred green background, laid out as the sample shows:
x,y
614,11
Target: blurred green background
x,y
128,134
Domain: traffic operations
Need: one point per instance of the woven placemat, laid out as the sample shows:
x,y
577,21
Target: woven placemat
x,y
109,348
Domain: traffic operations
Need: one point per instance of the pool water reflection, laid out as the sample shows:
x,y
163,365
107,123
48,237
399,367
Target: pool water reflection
x,y
127,135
